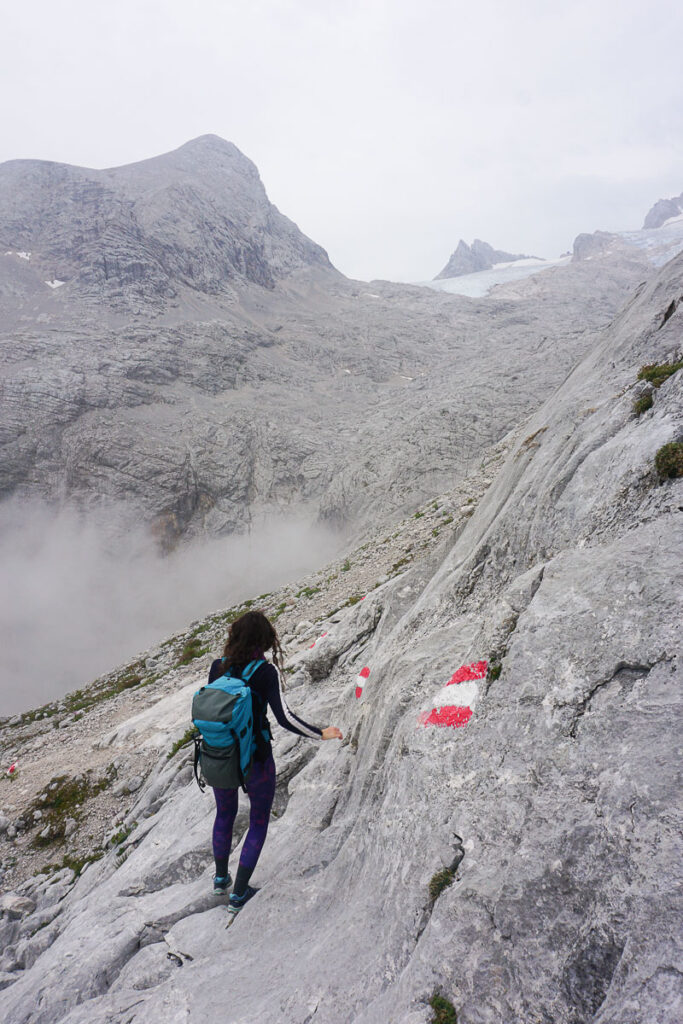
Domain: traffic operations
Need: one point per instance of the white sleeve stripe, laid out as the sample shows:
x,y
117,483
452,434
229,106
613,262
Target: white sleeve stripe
x,y
291,717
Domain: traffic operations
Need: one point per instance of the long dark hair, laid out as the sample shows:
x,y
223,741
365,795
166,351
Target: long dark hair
x,y
249,637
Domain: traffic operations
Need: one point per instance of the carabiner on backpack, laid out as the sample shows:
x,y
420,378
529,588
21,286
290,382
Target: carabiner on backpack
x,y
197,750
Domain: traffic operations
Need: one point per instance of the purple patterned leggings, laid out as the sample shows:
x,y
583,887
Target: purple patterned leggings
x,y
261,790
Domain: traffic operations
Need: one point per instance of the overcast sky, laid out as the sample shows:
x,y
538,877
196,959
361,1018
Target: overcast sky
x,y
386,129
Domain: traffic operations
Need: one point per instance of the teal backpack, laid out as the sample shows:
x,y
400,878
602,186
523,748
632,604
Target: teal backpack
x,y
223,713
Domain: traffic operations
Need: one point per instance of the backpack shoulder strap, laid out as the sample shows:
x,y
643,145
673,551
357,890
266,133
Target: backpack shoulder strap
x,y
251,668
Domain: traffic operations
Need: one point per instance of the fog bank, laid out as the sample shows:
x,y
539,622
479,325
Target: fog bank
x,y
83,594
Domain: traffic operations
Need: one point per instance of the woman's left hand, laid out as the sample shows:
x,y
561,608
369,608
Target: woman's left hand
x,y
332,733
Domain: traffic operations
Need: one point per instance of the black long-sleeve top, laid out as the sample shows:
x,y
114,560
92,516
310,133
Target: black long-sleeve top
x,y
266,685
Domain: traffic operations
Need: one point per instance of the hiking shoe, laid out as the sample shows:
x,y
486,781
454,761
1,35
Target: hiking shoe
x,y
236,903
221,885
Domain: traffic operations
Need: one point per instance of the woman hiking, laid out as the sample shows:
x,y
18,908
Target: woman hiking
x,y
249,638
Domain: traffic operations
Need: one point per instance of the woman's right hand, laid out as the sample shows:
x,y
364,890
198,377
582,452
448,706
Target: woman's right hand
x,y
332,733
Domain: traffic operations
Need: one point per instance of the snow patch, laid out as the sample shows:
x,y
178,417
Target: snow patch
x,y
530,261
673,220
477,285
24,255
56,283
660,244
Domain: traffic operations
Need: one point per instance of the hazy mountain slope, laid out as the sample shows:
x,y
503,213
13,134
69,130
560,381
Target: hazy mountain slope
x,y
173,345
202,426
561,785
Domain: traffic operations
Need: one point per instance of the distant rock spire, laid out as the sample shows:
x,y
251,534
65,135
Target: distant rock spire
x,y
663,210
480,256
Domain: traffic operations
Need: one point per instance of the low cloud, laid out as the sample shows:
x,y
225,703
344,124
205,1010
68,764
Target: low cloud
x,y
83,594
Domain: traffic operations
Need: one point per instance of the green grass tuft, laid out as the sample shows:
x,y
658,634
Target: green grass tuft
x,y
657,373
128,681
278,611
121,858
440,881
192,649
444,1011
397,566
62,798
642,404
205,626
122,834
187,736
80,701
78,863
669,460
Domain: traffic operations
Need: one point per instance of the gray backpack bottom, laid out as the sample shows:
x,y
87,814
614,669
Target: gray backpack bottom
x,y
220,766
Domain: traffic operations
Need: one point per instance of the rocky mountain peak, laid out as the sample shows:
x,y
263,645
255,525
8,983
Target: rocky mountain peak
x,y
210,142
589,245
662,211
199,157
479,256
196,218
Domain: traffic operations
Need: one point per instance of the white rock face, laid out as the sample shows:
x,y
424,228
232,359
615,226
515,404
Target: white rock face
x,y
15,907
561,787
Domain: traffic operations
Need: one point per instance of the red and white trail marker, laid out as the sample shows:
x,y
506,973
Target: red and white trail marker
x,y
13,769
453,708
311,646
477,670
361,679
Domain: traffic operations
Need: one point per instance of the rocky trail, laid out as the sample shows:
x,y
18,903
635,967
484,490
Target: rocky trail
x,y
89,726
